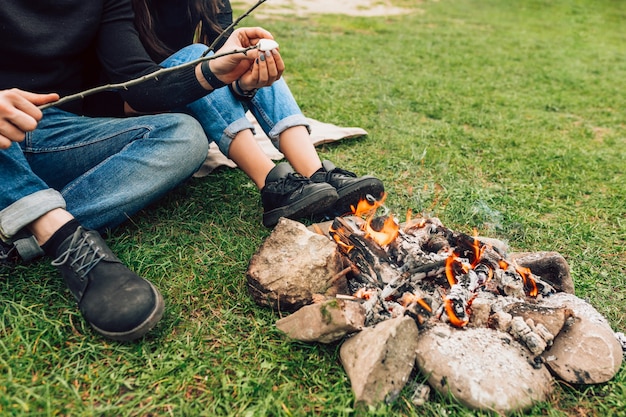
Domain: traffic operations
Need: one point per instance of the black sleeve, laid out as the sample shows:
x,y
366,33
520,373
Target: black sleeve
x,y
224,19
124,58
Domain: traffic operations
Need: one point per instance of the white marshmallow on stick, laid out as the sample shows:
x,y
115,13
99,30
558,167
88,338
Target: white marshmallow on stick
x,y
267,45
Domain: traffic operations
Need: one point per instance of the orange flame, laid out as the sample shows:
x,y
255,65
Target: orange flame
x,y
454,320
336,235
364,293
366,208
409,298
450,261
478,250
386,235
390,230
529,282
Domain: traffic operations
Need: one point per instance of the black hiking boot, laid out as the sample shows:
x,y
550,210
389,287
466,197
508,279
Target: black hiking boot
x,y
350,188
288,194
117,303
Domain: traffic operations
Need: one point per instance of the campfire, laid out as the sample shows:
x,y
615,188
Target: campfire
x,y
416,302
424,269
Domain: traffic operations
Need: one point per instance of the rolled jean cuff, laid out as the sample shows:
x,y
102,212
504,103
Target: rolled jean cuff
x,y
28,209
231,131
284,124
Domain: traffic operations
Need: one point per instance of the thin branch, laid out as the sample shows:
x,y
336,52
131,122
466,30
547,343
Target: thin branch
x,y
154,75
232,25
158,73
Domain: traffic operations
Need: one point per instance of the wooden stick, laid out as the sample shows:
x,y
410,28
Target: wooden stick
x,y
232,25
154,75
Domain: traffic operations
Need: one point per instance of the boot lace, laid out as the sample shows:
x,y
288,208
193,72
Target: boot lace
x,y
8,253
83,256
340,172
291,182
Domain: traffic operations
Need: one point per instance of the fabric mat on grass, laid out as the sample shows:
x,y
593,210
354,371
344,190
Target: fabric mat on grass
x,y
320,133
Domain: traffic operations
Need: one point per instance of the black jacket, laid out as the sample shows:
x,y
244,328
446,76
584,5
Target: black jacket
x,y
61,45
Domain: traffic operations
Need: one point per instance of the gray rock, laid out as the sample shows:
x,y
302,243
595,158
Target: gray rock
x,y
553,318
482,368
586,351
291,266
550,266
324,322
379,359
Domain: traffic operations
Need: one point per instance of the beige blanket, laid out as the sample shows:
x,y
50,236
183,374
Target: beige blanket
x,y
320,133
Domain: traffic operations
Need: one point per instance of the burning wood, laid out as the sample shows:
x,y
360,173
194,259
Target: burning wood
x,y
447,268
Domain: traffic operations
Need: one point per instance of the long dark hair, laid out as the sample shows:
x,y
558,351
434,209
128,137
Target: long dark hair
x,y
203,12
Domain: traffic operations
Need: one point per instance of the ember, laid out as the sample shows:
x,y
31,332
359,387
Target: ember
x,y
393,262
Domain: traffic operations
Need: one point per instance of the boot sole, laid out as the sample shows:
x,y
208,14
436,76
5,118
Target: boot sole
x,y
351,195
144,327
314,203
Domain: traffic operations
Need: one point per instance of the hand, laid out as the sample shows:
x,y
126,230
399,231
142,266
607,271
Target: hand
x,y
231,67
266,69
19,114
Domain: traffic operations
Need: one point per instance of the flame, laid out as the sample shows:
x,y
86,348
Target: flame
x,y
367,208
388,233
337,235
529,282
478,249
364,293
390,229
409,298
454,319
530,285
450,261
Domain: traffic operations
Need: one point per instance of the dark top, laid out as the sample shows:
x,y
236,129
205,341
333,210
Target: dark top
x,y
175,26
60,45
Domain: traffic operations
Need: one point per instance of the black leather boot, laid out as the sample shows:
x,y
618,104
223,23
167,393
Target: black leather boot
x,y
117,303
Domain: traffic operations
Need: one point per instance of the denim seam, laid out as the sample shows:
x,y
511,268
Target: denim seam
x,y
231,132
284,124
28,209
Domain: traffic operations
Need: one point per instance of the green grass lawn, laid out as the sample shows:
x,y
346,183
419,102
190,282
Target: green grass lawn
x,y
504,116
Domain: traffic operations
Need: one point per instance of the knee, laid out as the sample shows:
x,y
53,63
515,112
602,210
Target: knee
x,y
193,143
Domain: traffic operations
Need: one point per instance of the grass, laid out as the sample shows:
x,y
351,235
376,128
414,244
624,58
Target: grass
x,y
504,116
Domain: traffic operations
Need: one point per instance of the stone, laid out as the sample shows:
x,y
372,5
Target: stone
x,y
482,368
498,245
550,266
291,266
587,350
481,310
324,322
379,359
553,318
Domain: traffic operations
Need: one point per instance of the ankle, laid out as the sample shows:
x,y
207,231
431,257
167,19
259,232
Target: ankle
x,y
52,244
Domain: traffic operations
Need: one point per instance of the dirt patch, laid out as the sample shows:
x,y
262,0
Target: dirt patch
x,y
310,7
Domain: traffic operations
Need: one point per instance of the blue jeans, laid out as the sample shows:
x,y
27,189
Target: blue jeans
x,y
102,170
222,115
